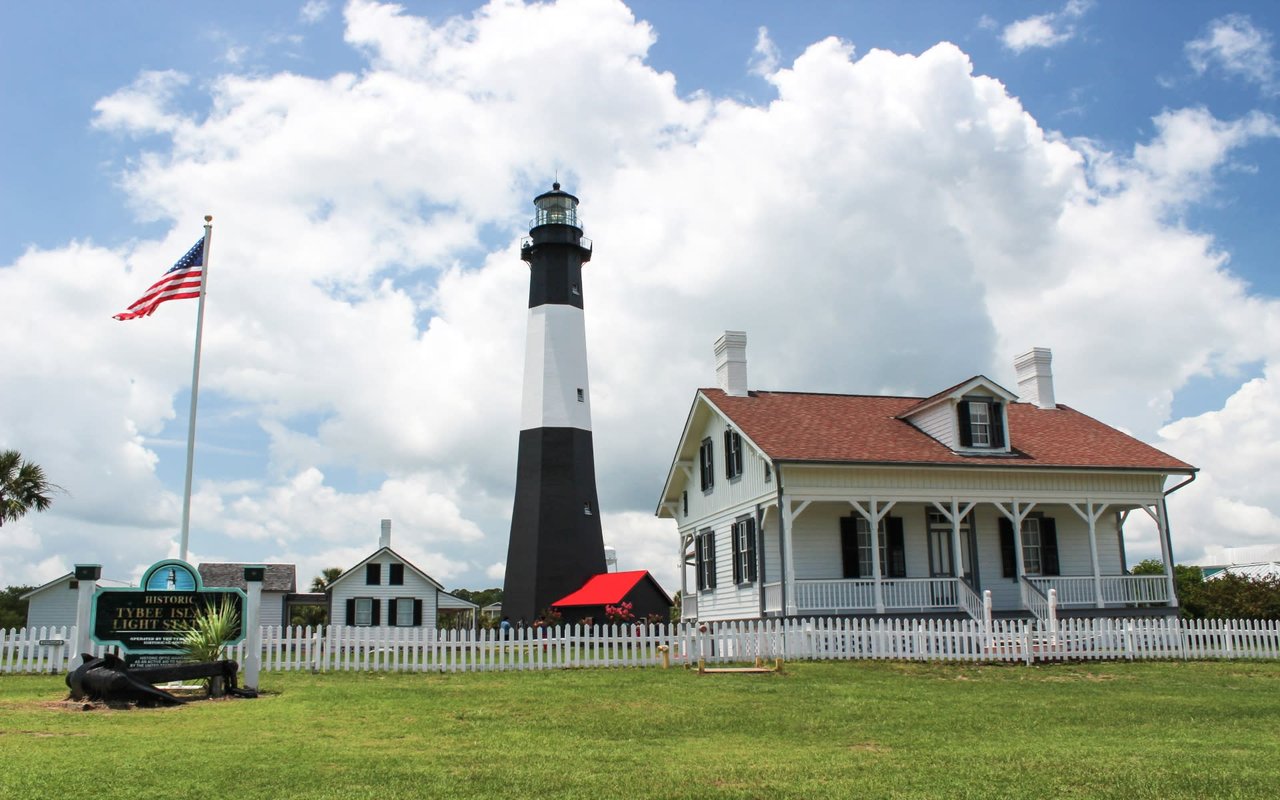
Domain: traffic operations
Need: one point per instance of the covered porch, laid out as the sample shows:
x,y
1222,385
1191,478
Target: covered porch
x,y
973,557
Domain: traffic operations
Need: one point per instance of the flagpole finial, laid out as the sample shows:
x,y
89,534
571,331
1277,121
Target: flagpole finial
x,y
208,218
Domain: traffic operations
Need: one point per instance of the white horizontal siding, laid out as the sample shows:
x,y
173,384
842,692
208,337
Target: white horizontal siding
x,y
354,586
940,423
55,606
800,479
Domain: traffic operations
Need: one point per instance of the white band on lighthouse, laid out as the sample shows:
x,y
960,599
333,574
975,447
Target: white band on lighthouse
x,y
556,394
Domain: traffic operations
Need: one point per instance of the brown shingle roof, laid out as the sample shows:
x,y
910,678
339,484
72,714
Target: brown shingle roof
x,y
278,577
792,426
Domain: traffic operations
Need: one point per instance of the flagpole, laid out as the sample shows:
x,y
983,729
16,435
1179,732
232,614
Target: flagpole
x,y
195,391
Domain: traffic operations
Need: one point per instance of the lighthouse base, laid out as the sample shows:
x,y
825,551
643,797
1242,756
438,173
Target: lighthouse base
x,y
556,543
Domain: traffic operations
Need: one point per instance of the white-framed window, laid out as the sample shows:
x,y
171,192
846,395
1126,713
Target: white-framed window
x,y
704,555
706,465
364,612
732,454
744,551
404,611
1032,550
981,423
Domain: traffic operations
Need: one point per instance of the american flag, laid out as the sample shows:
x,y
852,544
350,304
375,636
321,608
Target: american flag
x,y
180,283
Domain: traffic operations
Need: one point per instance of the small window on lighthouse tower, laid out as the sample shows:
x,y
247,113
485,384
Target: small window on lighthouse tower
x,y
576,290
582,396
586,508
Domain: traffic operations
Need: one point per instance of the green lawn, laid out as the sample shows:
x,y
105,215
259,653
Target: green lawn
x,y
874,729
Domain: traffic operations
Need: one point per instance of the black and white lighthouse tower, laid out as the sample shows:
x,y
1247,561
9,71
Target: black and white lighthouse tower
x,y
556,543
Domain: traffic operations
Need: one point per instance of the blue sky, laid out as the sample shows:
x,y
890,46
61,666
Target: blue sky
x,y
377,211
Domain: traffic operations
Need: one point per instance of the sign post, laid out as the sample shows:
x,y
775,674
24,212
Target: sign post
x,y
87,576
253,578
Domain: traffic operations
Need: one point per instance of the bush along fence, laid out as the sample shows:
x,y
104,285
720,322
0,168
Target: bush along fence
x,y
390,649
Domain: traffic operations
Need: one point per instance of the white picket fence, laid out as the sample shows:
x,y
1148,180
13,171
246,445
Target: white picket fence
x,y
427,649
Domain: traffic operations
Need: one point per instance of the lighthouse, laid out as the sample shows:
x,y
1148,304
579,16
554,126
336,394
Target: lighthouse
x,y
556,544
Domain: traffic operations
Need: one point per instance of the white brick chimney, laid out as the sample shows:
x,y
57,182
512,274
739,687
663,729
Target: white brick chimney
x,y
731,363
1035,378
385,539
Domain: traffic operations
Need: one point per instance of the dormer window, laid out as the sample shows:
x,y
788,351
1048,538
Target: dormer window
x,y
981,423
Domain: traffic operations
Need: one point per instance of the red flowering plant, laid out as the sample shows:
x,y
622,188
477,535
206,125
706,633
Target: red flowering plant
x,y
619,614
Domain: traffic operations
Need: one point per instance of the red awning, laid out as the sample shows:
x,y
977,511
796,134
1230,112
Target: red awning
x,y
600,590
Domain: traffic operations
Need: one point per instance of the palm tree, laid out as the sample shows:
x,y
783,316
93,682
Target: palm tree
x,y
320,583
23,487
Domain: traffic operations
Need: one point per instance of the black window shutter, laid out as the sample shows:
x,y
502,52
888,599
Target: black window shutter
x,y
1007,558
966,427
698,558
395,574
392,610
896,548
849,545
751,550
728,454
373,574
417,612
351,611
997,424
1049,546
377,608
711,560
737,548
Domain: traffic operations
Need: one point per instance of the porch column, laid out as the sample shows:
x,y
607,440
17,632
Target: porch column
x,y
1166,548
1090,515
789,568
1016,513
957,555
684,574
873,514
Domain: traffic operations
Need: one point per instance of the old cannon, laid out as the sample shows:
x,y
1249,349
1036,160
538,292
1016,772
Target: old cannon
x,y
109,679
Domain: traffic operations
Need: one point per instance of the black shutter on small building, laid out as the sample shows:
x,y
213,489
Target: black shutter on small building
x,y
417,612
895,548
849,545
373,574
395,574
966,427
751,550
391,612
1049,546
1008,559
377,612
351,611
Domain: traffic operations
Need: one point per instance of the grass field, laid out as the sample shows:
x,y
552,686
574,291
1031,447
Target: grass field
x,y
879,729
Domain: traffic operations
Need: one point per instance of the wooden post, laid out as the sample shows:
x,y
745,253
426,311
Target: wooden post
x,y
87,575
253,578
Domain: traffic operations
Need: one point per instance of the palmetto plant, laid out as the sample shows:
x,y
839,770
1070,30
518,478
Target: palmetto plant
x,y
205,637
23,487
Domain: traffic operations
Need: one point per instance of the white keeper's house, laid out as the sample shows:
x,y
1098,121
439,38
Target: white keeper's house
x,y
385,589
797,504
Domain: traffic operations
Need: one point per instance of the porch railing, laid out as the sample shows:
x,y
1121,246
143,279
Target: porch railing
x,y
970,601
1035,600
816,596
773,597
1121,589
